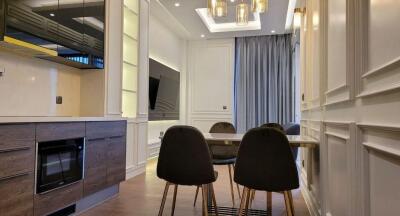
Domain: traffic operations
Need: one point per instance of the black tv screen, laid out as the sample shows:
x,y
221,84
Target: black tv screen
x,y
164,92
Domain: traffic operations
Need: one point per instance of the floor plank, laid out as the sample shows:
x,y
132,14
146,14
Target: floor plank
x,y
142,196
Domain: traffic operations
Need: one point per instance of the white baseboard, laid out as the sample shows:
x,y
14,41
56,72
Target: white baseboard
x,y
135,171
310,200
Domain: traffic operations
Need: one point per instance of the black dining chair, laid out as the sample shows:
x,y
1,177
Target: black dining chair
x,y
278,172
185,159
273,125
224,153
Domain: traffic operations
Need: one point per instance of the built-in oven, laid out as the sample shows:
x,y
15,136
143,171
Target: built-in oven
x,y
59,163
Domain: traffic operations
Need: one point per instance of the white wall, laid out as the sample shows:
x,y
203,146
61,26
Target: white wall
x,y
168,48
29,87
210,82
353,109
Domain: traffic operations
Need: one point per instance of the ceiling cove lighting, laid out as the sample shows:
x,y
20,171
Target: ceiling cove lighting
x,y
242,13
259,6
298,14
217,8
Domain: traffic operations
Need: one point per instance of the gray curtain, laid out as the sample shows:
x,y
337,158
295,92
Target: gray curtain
x,y
264,86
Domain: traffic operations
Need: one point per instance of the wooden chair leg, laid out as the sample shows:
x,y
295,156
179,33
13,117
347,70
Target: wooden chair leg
x,y
214,200
243,201
163,199
195,197
291,201
174,200
237,185
238,189
287,204
269,203
204,190
252,195
248,199
231,181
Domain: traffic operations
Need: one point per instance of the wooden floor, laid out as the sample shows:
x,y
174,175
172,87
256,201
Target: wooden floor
x,y
142,196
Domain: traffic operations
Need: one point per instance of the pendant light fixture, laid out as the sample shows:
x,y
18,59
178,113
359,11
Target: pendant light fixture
x,y
259,6
217,8
242,13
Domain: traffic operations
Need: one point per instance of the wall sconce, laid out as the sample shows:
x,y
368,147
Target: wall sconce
x,y
298,14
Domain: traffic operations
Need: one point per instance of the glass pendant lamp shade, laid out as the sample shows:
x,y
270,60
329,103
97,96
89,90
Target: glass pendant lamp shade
x,y
242,13
259,6
217,8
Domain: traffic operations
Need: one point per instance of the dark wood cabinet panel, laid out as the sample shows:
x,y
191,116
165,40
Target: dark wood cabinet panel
x,y
12,132
116,160
17,158
95,166
57,199
17,195
59,131
96,130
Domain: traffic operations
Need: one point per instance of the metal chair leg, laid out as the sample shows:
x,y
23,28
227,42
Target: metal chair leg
x,y
195,197
205,200
163,199
174,200
214,199
231,181
288,204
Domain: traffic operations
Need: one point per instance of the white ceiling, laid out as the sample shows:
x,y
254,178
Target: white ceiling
x,y
185,21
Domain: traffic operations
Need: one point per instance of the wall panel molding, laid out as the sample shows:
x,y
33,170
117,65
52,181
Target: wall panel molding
x,y
379,149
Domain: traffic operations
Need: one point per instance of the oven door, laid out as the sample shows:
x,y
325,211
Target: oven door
x,y
59,163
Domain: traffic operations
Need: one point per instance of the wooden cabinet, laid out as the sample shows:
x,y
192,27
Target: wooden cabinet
x,y
17,159
116,160
95,165
105,160
17,195
105,155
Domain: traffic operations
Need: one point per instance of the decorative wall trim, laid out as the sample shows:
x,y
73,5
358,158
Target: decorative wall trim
x,y
336,89
391,65
381,148
385,127
379,91
337,135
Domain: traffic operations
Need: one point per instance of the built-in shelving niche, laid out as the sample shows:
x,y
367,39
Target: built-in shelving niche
x,y
130,58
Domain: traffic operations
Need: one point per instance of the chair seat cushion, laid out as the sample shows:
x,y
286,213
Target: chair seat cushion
x,y
224,161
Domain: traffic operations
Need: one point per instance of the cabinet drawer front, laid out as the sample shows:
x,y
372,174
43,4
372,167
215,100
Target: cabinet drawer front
x,y
96,130
17,159
17,195
59,131
11,132
57,199
95,166
116,163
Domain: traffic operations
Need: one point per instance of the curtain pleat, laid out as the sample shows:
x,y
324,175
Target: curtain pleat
x,y
264,83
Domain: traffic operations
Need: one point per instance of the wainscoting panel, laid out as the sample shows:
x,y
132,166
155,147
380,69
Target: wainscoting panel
x,y
380,169
380,67
136,149
339,167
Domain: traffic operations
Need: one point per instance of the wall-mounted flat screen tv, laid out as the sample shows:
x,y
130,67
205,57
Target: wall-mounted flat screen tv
x,y
164,91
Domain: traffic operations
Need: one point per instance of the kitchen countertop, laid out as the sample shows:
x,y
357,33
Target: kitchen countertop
x,y
34,119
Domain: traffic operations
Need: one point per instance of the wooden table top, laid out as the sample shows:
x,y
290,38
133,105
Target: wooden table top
x,y
294,140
